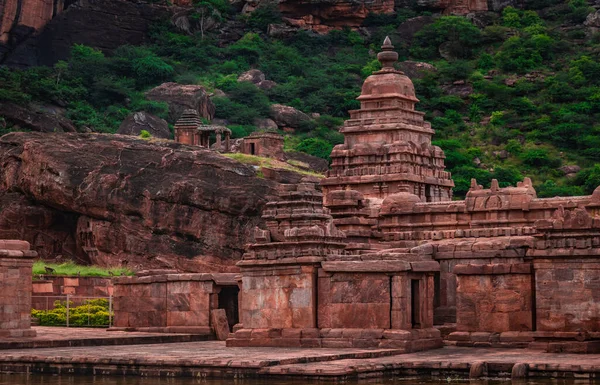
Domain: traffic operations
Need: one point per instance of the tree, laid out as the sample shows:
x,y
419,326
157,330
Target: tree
x,y
209,10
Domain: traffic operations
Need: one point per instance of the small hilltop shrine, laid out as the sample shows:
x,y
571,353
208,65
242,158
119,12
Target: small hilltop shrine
x,y
377,254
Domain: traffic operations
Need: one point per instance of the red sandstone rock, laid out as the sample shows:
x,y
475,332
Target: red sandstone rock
x,y
138,121
34,119
180,97
102,24
253,76
286,116
118,200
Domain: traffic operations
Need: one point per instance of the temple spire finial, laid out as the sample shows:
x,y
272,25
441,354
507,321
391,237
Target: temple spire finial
x,y
387,57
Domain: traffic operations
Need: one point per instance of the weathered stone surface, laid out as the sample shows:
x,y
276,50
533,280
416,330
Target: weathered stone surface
x,y
138,121
253,76
218,321
286,116
101,24
181,97
16,260
415,69
322,16
498,302
35,119
570,169
314,163
265,124
406,30
265,144
128,201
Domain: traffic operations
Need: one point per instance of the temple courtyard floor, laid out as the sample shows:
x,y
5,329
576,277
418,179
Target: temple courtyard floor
x,y
138,354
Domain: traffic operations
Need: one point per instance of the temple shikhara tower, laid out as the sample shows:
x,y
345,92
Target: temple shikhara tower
x,y
383,257
387,144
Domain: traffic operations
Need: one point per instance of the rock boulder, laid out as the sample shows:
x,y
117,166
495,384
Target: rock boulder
x,y
35,119
117,200
253,76
181,97
138,121
286,116
415,69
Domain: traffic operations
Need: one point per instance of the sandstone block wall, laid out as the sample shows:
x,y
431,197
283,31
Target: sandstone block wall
x,y
79,286
567,294
16,261
279,297
166,303
354,300
494,298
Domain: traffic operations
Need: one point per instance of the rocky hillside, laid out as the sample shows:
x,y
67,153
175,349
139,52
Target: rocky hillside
x,y
115,200
511,88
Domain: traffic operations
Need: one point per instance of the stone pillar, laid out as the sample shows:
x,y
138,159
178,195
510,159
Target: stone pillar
x,y
218,134
16,261
227,142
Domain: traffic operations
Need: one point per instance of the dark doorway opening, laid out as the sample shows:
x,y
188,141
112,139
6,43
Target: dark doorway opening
x,y
436,289
428,193
415,298
252,149
228,300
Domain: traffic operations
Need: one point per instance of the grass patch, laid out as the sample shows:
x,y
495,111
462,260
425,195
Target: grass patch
x,y
259,161
73,269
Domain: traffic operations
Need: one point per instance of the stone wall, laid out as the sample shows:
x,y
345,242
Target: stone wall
x,y
344,296
173,303
49,288
279,297
494,298
567,294
266,144
16,261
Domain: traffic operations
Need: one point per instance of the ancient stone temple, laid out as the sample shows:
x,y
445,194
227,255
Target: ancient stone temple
x,y
190,130
266,144
389,258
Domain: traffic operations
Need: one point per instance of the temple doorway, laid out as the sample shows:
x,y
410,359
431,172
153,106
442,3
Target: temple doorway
x,y
228,300
415,308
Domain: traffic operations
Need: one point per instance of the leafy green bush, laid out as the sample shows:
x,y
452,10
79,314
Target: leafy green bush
x,y
539,157
264,15
315,147
93,312
460,37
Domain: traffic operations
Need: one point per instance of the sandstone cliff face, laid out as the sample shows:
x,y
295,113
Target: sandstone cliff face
x,y
114,200
103,24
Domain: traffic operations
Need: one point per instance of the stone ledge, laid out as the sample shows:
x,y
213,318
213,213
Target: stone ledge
x,y
493,269
14,245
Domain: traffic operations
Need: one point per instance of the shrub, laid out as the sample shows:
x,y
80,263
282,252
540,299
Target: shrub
x,y
460,37
539,157
264,15
93,312
315,147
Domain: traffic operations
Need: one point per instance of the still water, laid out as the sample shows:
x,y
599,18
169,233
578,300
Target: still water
x,y
18,379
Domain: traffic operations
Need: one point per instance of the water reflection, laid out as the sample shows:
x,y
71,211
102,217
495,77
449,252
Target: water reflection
x,y
18,379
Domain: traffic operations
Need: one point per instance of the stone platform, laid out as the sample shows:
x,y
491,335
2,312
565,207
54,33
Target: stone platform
x,y
213,359
51,337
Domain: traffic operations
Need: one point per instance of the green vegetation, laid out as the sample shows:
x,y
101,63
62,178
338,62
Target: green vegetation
x,y
529,102
73,269
93,312
261,162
